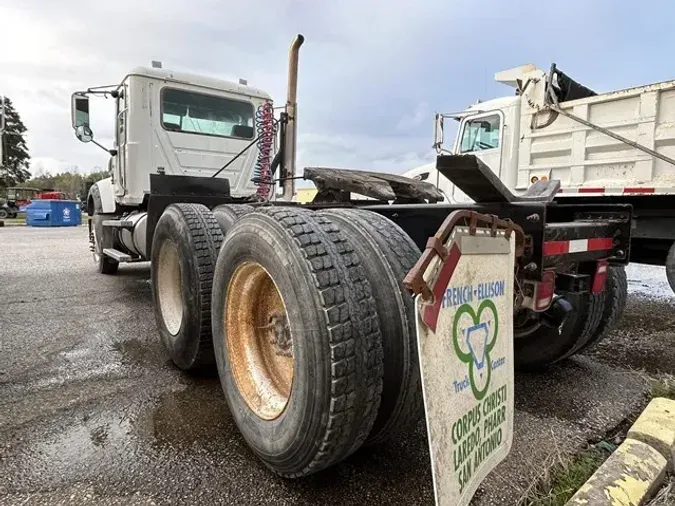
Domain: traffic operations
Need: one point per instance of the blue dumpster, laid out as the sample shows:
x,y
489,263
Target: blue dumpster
x,y
53,213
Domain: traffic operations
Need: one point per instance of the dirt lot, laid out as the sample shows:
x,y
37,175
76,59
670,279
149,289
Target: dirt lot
x,y
91,410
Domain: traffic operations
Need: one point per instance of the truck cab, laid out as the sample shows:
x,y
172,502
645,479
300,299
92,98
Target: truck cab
x,y
176,123
604,148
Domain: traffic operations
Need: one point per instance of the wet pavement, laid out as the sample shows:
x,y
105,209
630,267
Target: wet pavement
x,y
92,411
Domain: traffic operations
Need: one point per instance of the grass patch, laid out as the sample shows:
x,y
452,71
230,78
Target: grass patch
x,y
565,478
12,222
663,386
561,482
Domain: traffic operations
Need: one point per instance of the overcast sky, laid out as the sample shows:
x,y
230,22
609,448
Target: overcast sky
x,y
372,72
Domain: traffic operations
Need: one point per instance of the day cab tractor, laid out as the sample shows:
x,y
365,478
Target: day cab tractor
x,y
302,309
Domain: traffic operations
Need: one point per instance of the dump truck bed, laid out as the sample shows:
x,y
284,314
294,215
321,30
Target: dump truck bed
x,y
586,160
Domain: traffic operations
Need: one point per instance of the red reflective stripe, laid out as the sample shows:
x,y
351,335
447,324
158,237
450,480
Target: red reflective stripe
x,y
591,190
600,243
552,248
431,311
638,190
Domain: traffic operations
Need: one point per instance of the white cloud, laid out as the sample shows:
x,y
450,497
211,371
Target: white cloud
x,y
72,44
371,72
415,119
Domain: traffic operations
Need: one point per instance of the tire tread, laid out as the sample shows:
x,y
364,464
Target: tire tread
x,y
400,254
351,319
206,240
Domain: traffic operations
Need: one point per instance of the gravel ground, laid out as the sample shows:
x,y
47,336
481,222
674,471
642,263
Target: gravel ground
x,y
644,338
92,412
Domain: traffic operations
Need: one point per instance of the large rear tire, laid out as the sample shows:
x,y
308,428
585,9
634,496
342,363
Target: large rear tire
x,y
387,254
587,326
227,215
616,290
537,346
297,340
184,251
670,267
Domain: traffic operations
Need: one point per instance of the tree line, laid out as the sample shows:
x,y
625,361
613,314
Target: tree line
x,y
73,184
15,162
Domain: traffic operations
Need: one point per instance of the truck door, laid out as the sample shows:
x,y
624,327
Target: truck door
x,y
481,135
118,163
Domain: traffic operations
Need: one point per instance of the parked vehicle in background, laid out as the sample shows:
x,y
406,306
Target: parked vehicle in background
x,y
16,200
609,148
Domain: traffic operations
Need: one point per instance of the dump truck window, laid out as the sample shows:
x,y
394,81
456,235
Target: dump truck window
x,y
480,134
190,112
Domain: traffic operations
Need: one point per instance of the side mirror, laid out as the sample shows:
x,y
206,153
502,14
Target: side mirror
x,y
84,133
438,132
79,107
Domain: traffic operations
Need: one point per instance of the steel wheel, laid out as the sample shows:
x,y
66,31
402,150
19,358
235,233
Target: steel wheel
x,y
258,340
169,289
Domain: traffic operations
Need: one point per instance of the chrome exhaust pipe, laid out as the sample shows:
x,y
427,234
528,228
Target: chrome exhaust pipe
x,y
291,138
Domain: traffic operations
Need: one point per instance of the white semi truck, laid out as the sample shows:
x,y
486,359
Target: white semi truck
x,y
614,147
302,309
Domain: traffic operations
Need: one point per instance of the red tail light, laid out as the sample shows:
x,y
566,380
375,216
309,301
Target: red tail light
x,y
600,277
544,291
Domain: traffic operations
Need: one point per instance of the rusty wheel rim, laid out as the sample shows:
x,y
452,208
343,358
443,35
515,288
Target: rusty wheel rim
x,y
258,340
169,291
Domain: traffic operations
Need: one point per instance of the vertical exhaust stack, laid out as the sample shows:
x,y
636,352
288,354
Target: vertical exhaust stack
x,y
290,140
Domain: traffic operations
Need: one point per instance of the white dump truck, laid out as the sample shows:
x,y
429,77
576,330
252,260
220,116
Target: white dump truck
x,y
614,147
307,311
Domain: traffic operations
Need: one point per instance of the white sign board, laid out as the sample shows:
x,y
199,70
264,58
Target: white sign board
x,y
465,340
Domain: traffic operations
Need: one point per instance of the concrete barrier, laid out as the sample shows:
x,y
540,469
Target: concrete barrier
x,y
635,471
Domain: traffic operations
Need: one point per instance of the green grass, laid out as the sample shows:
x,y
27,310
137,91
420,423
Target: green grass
x,y
663,386
559,484
568,476
15,221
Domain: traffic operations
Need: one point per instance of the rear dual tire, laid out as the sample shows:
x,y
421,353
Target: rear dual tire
x,y
387,254
228,214
330,318
592,318
184,251
670,267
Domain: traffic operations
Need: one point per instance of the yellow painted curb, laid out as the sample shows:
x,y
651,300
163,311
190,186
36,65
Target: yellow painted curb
x,y
656,427
629,477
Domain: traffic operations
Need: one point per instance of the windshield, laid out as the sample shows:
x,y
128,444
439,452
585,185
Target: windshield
x,y
190,112
480,134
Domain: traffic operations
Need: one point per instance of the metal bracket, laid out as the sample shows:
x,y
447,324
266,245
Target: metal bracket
x,y
414,280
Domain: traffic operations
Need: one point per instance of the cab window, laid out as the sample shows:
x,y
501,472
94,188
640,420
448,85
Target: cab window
x,y
480,134
197,113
